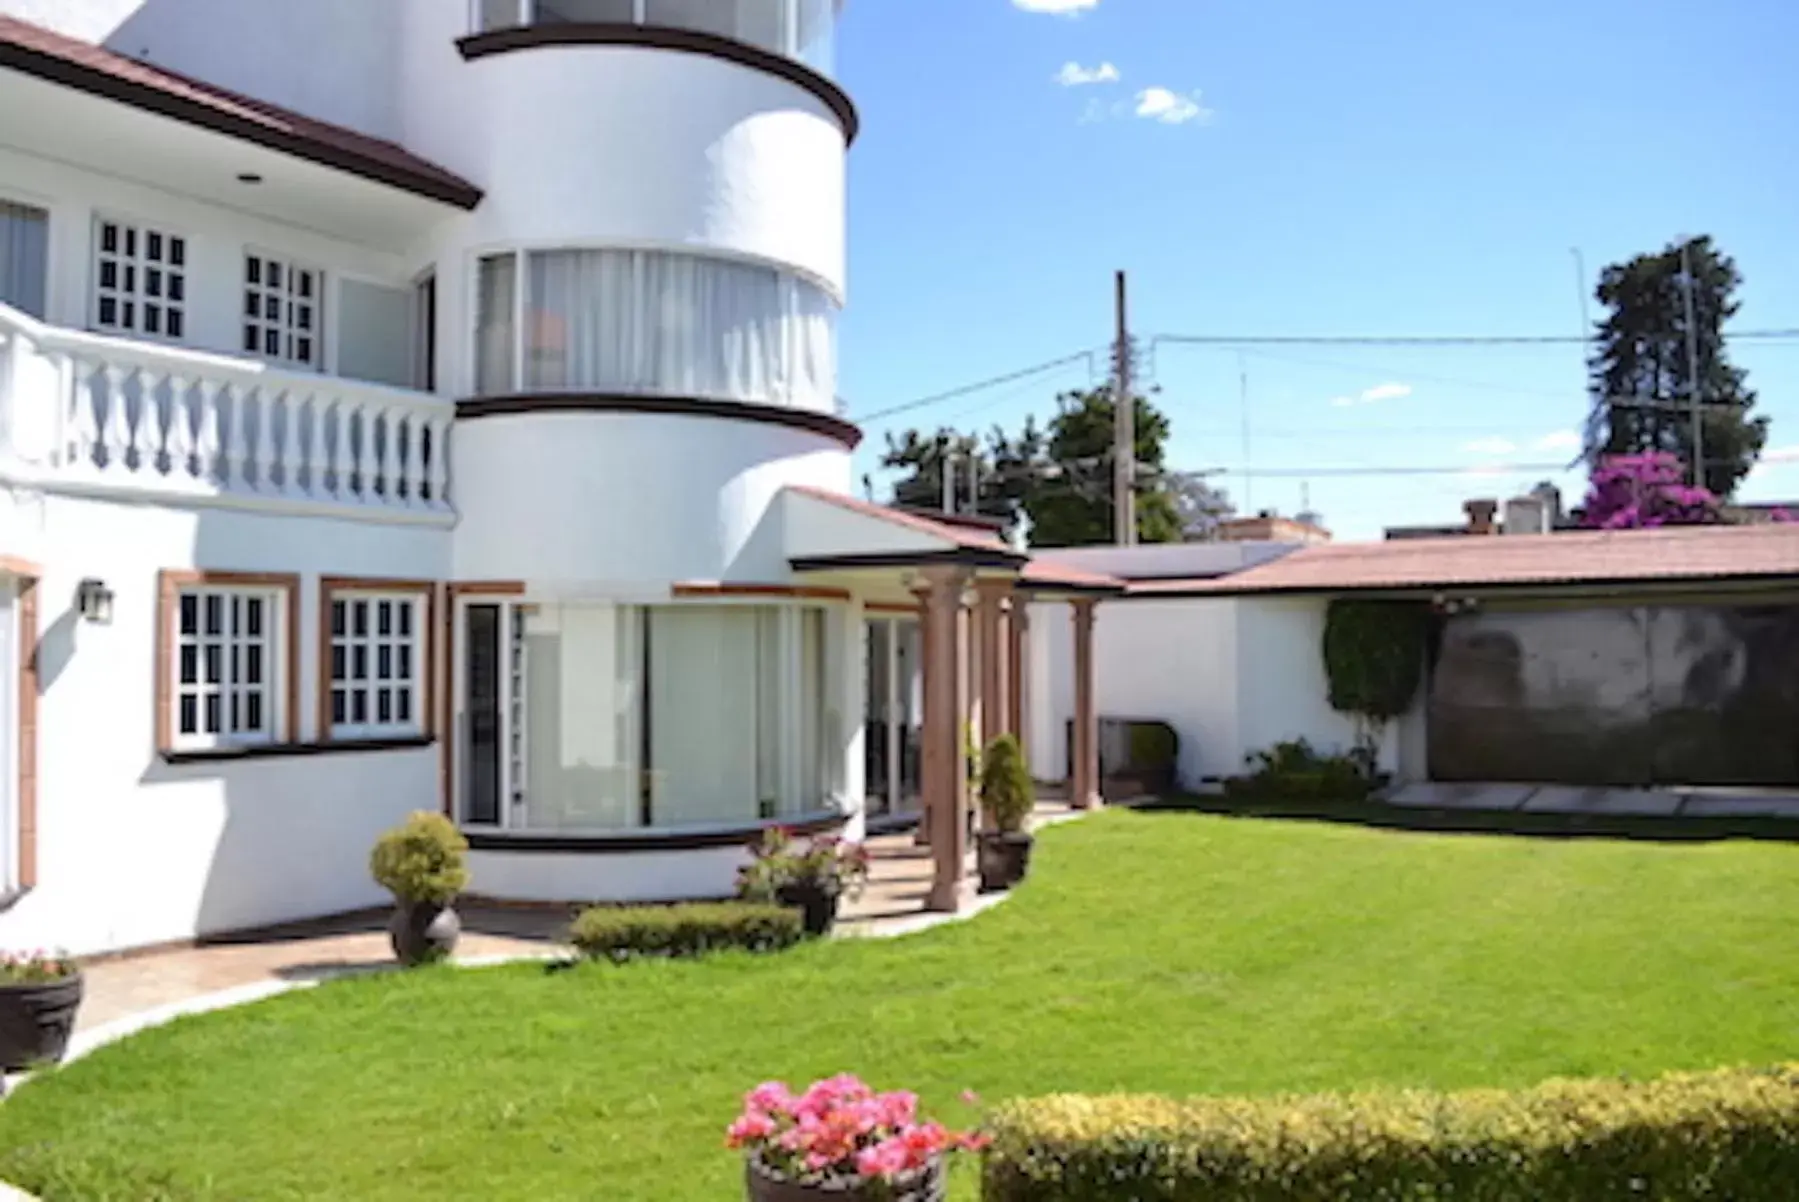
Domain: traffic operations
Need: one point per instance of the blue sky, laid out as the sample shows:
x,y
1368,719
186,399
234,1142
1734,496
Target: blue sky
x,y
1388,167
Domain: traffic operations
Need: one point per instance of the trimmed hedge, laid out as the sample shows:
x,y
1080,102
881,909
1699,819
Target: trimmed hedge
x,y
622,933
1723,1135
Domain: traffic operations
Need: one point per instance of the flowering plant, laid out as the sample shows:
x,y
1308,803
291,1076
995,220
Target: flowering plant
x,y
779,860
841,1133
35,968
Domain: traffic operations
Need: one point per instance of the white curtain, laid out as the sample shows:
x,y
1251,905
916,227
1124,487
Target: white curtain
x,y
496,341
24,257
706,709
814,349
582,700
581,329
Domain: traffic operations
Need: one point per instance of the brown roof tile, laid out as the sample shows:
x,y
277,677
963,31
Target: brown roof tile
x,y
1670,554
958,536
50,56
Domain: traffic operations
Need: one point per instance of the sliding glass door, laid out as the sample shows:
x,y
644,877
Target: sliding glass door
x,y
894,716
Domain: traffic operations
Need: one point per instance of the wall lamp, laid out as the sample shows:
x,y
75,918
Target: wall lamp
x,y
93,601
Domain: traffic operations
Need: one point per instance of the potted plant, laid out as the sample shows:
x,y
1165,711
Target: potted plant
x,y
1004,848
39,994
840,1141
812,877
423,862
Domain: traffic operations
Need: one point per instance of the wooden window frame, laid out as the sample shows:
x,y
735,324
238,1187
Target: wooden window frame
x,y
25,612
286,586
450,674
425,636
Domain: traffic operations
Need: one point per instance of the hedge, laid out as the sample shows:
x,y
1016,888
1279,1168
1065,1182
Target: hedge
x,y
628,932
1722,1135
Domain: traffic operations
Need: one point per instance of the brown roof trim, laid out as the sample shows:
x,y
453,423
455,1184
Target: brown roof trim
x,y
955,534
746,835
809,420
800,592
963,557
1549,586
42,54
691,41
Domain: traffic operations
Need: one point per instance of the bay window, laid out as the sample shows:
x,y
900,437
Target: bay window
x,y
653,323
798,29
626,717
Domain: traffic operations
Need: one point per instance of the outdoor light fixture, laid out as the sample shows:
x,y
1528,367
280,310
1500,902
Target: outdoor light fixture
x,y
93,600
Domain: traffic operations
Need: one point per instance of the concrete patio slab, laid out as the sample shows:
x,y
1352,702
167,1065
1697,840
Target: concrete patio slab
x,y
1438,795
1572,799
1740,805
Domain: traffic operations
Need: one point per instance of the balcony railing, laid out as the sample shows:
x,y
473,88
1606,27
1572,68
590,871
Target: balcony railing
x,y
86,413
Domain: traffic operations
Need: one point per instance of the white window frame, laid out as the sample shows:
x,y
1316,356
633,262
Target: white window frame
x,y
527,17
137,266
283,326
273,643
414,645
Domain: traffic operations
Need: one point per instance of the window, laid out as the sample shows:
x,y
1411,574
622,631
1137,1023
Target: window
x,y
24,257
655,323
229,664
798,29
281,311
377,661
140,280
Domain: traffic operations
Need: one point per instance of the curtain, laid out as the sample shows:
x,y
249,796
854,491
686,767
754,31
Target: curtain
x,y
706,710
582,671
24,257
581,333
814,349
496,341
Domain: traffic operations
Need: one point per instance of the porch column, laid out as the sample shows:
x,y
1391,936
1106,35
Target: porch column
x,y
996,701
1084,781
946,780
1018,634
921,837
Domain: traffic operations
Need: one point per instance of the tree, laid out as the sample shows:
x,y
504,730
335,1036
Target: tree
x,y
1641,367
1631,492
1200,506
1070,502
1004,469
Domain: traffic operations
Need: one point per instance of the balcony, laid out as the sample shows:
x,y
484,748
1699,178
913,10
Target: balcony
x,y
112,417
800,30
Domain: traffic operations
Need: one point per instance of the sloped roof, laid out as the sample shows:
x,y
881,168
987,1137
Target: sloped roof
x,y
47,55
901,533
1591,557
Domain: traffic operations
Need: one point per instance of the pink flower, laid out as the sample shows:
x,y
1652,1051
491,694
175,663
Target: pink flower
x,y
753,1127
898,1108
884,1161
771,1097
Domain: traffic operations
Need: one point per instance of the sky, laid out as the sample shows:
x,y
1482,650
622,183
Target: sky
x,y
1309,167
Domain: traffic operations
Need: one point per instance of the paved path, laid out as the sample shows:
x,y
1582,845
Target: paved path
x,y
1571,799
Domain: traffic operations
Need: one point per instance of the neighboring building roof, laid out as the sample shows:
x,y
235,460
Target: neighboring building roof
x,y
1052,576
1591,557
43,54
1270,528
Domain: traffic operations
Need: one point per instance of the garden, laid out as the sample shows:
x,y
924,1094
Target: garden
x,y
1184,955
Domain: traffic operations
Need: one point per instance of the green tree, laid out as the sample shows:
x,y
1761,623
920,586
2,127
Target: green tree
x,y
1070,500
1641,366
1005,468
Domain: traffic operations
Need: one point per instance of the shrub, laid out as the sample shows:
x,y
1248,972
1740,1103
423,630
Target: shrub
x,y
1155,750
423,859
622,933
36,968
1295,771
778,860
1006,791
1732,1134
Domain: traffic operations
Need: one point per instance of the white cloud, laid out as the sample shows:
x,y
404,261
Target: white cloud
x,y
1558,440
1170,107
1490,446
1059,8
1781,455
1073,75
1371,396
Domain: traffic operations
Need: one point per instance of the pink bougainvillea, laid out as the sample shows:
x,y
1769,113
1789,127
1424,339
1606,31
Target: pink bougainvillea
x,y
1631,492
840,1131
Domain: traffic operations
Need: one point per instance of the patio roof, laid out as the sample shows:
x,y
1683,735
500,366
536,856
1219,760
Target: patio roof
x,y
1593,558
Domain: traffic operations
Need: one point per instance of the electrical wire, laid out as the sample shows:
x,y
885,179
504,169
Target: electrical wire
x,y
1442,340
978,386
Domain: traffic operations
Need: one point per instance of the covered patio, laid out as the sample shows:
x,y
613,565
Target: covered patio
x,y
969,591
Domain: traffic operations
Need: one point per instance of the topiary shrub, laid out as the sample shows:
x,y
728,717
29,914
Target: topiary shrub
x,y
424,859
1006,792
620,933
1374,662
1732,1134
1295,771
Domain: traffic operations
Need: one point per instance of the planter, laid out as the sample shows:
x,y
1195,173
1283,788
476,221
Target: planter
x,y
36,1022
816,902
1005,858
424,932
928,1185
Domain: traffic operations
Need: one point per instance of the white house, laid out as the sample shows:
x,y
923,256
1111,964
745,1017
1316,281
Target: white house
x,y
427,404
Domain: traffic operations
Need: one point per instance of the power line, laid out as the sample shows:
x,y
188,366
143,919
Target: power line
x,y
1444,340
1460,469
979,386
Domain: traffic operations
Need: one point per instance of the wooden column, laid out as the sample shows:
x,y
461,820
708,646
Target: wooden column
x,y
1018,634
922,836
996,702
946,780
1084,781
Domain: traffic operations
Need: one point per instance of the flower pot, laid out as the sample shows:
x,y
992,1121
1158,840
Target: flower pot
x,y
816,901
1004,858
424,931
36,1021
927,1185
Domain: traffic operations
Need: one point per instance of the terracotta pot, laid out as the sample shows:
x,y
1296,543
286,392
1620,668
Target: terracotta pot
x,y
816,901
424,931
36,1022
762,1185
1004,858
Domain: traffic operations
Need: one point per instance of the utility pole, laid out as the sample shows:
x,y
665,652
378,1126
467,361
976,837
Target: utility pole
x,y
949,481
1124,424
1686,280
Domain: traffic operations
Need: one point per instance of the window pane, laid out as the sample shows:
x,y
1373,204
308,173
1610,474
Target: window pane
x,y
759,22
707,715
24,257
572,12
190,665
190,715
495,340
497,14
581,718
190,614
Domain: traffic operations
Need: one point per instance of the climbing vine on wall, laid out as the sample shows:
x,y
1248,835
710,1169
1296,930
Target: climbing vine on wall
x,y
1374,656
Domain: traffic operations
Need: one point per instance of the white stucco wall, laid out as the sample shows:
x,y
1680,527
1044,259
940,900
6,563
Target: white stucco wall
x,y
132,851
330,59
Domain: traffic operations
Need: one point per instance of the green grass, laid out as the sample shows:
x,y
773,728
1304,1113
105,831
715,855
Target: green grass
x,y
1174,952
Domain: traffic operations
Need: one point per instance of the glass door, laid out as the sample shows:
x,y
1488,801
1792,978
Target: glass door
x,y
894,716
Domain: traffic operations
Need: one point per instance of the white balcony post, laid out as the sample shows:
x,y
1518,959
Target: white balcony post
x,y
290,444
84,415
181,434
439,466
340,442
118,421
315,450
265,440
214,466
365,452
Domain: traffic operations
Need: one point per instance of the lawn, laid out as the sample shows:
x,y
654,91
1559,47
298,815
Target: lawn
x,y
1168,952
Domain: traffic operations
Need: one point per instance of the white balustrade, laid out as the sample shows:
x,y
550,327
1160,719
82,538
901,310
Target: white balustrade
x,y
95,413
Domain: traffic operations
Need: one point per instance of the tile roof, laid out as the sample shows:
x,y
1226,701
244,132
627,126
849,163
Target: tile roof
x,y
36,51
1670,554
1049,575
964,537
